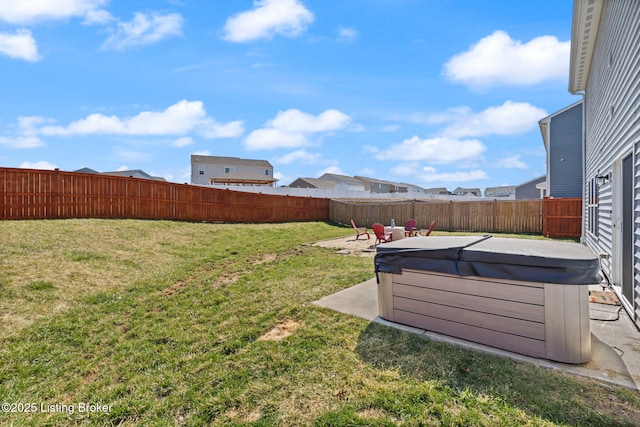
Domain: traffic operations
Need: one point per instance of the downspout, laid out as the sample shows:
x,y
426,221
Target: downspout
x,y
583,165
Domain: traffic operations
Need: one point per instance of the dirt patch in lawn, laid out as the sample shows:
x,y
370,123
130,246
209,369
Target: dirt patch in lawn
x,y
350,245
280,331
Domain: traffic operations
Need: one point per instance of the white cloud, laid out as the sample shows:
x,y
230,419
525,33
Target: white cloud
x,y
277,175
21,142
507,119
367,171
265,139
30,11
300,157
347,35
20,45
27,124
433,150
144,30
406,169
179,119
25,134
295,121
291,128
267,18
38,165
182,141
210,128
498,60
431,175
331,169
514,162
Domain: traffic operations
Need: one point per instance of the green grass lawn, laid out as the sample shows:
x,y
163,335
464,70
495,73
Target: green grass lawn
x,y
170,323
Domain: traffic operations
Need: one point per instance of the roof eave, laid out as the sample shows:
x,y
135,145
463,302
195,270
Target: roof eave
x,y
584,33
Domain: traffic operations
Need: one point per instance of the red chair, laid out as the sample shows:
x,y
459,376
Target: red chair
x,y
360,231
381,237
432,226
410,228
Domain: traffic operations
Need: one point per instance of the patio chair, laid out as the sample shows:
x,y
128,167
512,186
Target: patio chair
x,y
410,228
381,237
360,231
432,226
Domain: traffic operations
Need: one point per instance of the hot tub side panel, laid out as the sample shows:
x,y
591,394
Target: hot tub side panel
x,y
567,325
523,317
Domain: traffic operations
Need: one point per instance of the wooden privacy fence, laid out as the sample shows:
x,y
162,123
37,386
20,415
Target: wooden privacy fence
x,y
39,194
562,217
498,216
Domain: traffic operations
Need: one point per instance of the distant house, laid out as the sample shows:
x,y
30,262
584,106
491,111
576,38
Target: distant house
x,y
562,136
86,170
312,183
412,188
136,173
379,186
438,190
208,170
604,69
526,191
506,192
467,192
343,182
531,189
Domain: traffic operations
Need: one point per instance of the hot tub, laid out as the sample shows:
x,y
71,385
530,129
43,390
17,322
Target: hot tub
x,y
526,296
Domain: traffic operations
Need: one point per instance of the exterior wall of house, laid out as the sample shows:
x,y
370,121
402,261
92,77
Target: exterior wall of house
x,y
343,186
504,193
379,187
529,190
344,182
202,170
565,156
612,132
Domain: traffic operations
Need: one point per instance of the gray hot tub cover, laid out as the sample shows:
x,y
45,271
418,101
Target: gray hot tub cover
x,y
492,257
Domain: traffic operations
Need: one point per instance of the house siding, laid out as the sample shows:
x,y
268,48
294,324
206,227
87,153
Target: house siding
x,y
528,190
565,167
216,167
612,131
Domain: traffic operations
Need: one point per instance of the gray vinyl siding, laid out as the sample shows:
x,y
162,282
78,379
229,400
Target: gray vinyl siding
x,y
612,119
529,191
565,168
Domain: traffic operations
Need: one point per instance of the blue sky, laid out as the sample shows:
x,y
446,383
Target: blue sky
x,y
437,93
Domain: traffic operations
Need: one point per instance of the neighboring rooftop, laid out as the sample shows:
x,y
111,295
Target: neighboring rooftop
x,y
134,173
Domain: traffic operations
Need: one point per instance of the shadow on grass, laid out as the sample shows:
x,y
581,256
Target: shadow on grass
x,y
552,396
